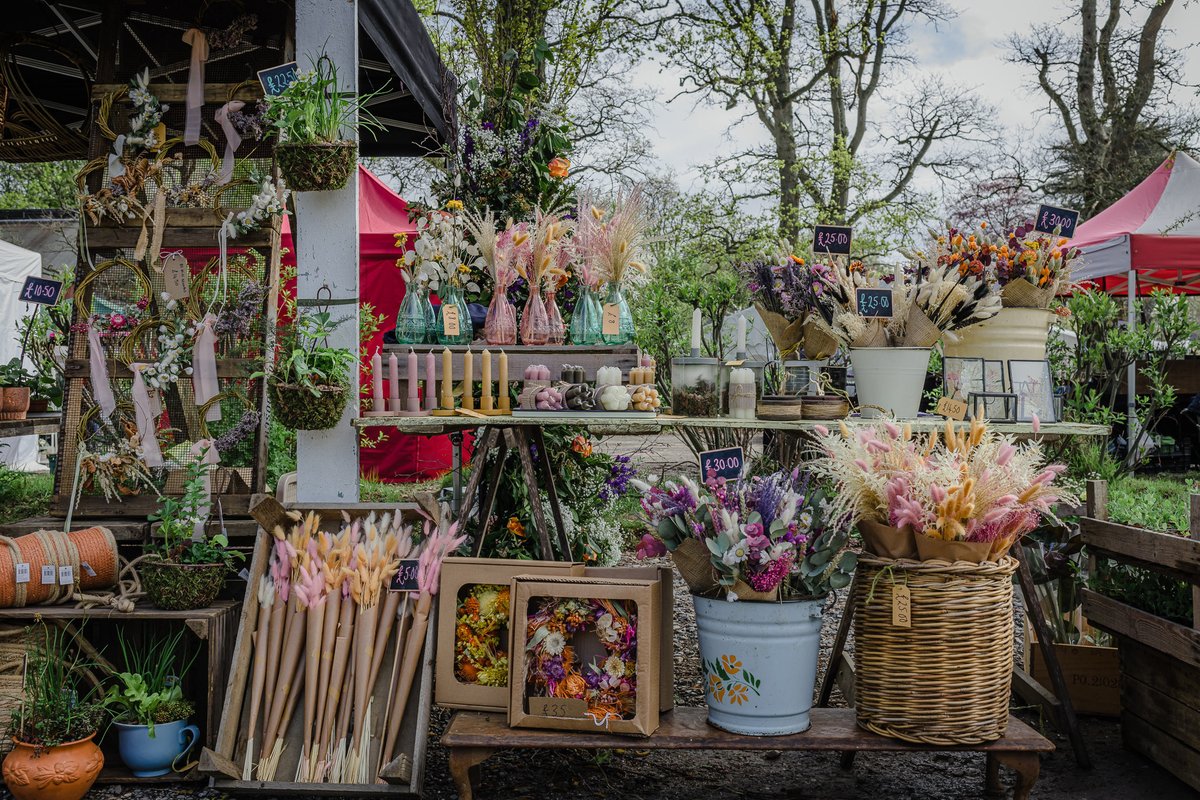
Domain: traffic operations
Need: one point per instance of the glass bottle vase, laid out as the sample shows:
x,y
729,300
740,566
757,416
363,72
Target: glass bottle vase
x,y
558,331
452,297
431,317
500,327
585,320
412,324
535,325
624,331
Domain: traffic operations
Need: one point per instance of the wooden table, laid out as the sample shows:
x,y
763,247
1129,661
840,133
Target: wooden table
x,y
473,737
32,425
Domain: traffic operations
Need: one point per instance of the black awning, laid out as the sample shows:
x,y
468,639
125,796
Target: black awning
x,y
418,111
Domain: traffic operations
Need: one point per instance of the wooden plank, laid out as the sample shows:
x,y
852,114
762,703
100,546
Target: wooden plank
x,y
173,237
1092,674
1169,753
226,368
232,505
1165,712
1163,635
239,670
1096,505
32,425
140,614
1166,674
123,530
1172,551
1034,693
688,729
214,93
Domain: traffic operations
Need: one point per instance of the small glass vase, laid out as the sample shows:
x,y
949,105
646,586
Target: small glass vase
x,y
431,317
558,331
624,332
452,297
412,324
585,320
535,325
500,327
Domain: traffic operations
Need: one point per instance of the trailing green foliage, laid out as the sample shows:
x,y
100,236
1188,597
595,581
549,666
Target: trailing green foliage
x,y
57,704
305,359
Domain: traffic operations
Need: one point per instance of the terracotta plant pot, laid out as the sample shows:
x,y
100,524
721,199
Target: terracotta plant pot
x,y
65,772
180,587
14,402
38,405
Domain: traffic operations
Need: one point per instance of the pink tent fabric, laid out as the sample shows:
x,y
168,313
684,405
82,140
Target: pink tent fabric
x,y
1154,229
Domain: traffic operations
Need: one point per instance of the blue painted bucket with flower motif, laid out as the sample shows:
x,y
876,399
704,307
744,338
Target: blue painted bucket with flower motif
x,y
760,663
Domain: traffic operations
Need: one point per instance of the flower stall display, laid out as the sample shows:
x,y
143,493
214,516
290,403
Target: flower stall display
x,y
473,628
789,294
587,652
759,556
442,258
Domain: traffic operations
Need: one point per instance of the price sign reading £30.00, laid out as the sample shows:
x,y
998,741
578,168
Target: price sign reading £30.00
x,y
832,239
405,579
727,463
41,290
1056,221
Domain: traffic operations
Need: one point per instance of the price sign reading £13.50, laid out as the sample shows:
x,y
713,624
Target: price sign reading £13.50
x,y
727,463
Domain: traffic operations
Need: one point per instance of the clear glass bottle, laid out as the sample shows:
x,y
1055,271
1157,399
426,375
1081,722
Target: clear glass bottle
x,y
585,320
431,317
412,324
558,331
624,335
535,324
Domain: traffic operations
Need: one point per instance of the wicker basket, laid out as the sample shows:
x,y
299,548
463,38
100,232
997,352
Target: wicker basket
x,y
299,409
946,679
316,166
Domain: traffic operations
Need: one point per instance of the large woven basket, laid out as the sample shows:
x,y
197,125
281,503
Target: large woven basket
x,y
946,679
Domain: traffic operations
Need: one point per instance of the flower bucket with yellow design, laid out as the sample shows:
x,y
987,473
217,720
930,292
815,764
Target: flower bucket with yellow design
x,y
760,663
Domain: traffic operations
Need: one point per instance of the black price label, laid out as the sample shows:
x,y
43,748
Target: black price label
x,y
874,302
727,463
41,290
832,239
405,579
1056,221
275,80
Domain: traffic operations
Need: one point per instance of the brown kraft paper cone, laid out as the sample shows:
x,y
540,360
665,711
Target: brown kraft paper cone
x,y
875,336
919,330
692,560
886,541
931,549
745,593
786,333
819,341
1021,293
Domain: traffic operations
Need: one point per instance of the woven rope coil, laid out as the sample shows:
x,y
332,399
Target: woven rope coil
x,y
946,679
95,547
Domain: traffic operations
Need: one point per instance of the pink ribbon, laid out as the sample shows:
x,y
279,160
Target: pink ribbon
x,y
195,88
233,139
206,451
147,408
204,368
102,391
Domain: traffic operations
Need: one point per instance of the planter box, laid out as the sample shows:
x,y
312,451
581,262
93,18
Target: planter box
x,y
1092,673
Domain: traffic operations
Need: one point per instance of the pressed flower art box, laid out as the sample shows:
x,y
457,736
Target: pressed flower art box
x,y
585,655
473,619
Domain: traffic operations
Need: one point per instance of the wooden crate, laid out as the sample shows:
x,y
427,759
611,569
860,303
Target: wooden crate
x,y
1159,659
223,762
1092,673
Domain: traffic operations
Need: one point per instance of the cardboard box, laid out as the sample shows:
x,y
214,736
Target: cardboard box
x,y
459,577
528,709
666,620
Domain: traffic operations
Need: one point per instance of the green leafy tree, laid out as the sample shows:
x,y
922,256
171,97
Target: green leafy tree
x,y
46,184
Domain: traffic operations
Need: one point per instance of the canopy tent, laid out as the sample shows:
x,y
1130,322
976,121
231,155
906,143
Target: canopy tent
x,y
1152,233
16,264
382,214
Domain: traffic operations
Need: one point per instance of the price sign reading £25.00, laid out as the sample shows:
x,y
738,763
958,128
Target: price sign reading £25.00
x,y
41,290
727,464
874,302
832,239
405,579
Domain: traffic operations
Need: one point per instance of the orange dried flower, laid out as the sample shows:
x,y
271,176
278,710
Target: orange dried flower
x,y
559,167
515,527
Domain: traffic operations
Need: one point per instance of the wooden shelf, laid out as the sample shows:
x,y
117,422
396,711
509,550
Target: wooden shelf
x,y
214,93
33,424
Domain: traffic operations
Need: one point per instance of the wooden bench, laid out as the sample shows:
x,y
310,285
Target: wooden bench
x,y
473,737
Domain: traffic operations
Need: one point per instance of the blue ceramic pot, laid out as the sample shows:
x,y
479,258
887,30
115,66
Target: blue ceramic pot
x,y
150,756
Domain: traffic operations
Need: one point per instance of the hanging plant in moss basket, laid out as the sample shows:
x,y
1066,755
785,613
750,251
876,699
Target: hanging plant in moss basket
x,y
310,382
311,115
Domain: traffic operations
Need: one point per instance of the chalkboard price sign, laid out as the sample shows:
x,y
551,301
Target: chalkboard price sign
x,y
832,239
1057,221
727,464
874,302
41,290
275,79
405,579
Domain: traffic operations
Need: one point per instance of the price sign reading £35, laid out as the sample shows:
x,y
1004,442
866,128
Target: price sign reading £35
x,y
41,290
727,464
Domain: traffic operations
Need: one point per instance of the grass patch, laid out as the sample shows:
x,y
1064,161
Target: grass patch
x,y
377,492
24,494
1159,503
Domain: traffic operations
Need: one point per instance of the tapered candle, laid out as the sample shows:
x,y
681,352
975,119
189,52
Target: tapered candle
x,y
468,401
414,400
741,337
430,381
485,379
394,381
377,382
502,377
696,332
447,380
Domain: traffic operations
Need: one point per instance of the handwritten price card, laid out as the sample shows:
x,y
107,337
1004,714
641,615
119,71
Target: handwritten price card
x,y
450,320
610,324
874,302
561,707
727,463
41,290
832,239
1056,221
405,579
275,79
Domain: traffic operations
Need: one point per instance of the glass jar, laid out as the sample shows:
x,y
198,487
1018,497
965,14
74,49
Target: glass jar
x,y
500,327
585,321
728,381
694,386
452,297
558,331
412,326
624,334
535,324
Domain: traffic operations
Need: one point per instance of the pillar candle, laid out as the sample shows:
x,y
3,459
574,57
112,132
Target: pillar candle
x,y
502,379
485,379
414,401
394,381
468,401
696,331
377,382
447,380
741,337
430,381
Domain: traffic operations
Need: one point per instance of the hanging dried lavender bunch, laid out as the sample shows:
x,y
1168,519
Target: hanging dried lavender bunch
x,y
237,320
234,436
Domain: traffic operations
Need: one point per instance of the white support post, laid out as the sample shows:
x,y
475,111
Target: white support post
x,y
327,257
1131,422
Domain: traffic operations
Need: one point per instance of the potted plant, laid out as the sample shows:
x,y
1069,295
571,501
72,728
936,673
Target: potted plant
x,y
776,545
311,115
148,708
53,755
16,383
310,382
181,572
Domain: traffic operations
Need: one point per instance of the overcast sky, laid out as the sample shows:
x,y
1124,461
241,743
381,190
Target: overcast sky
x,y
969,49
